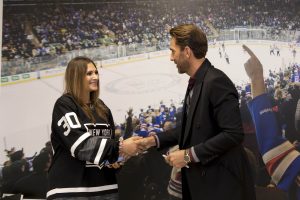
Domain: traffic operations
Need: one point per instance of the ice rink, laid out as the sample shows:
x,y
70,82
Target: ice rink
x,y
26,108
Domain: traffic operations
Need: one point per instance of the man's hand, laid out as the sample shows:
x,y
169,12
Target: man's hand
x,y
176,159
130,147
254,70
146,143
253,66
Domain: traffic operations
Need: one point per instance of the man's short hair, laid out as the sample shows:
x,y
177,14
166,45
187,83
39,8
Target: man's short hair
x,y
192,36
40,161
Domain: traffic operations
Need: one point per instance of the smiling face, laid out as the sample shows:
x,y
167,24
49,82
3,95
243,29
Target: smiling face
x,y
177,55
82,80
91,81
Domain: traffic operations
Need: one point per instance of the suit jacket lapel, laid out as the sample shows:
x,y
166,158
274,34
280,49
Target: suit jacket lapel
x,y
183,119
200,74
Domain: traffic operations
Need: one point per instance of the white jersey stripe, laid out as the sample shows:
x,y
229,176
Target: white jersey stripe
x,y
78,142
284,164
276,151
100,151
81,189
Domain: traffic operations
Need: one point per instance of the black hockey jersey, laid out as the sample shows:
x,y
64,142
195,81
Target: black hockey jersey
x,y
80,150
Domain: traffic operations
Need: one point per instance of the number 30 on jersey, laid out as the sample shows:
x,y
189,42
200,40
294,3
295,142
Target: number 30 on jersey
x,y
67,122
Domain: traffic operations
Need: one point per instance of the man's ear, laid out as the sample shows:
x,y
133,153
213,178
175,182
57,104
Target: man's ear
x,y
187,51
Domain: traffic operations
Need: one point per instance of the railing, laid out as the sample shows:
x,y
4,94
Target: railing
x,y
18,66
258,33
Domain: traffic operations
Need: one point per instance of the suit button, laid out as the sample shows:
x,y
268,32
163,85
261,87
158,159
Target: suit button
x,y
203,173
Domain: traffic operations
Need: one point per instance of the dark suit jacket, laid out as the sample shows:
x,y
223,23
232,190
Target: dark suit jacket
x,y
213,127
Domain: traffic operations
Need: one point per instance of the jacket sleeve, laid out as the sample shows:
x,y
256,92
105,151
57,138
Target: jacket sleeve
x,y
75,137
168,138
224,111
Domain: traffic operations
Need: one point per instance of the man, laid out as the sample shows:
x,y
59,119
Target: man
x,y
35,184
280,156
212,160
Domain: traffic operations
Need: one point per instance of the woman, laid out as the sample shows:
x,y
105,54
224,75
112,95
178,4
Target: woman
x,y
83,139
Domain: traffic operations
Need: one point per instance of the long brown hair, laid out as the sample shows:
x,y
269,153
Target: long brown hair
x,y
74,77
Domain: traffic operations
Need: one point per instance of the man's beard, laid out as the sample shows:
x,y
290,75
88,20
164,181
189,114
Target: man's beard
x,y
182,66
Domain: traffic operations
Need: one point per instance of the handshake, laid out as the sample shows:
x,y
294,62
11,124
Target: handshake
x,y
132,146
135,145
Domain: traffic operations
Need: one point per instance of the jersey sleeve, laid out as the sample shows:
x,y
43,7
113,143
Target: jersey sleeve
x,y
68,127
281,158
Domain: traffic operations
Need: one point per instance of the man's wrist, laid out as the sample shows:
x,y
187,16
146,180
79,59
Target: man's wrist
x,y
187,157
153,141
156,141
